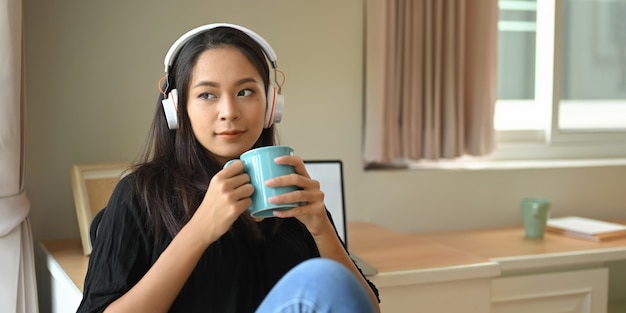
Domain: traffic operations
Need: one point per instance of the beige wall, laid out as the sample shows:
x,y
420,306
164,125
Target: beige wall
x,y
92,72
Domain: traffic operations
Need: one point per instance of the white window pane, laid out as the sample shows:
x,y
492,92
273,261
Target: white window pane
x,y
592,115
516,65
519,114
516,49
593,65
516,108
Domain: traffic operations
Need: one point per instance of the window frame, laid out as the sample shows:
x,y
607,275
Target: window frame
x,y
550,142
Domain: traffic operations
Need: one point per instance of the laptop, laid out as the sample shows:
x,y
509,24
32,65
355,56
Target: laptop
x,y
330,175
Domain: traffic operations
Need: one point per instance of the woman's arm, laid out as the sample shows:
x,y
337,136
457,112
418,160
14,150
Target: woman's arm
x,y
314,216
158,288
226,198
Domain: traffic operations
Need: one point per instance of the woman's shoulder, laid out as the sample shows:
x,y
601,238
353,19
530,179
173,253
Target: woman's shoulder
x,y
125,211
123,194
125,200
124,186
140,176
126,179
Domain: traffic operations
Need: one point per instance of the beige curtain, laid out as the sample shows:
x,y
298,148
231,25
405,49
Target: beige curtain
x,y
439,74
18,291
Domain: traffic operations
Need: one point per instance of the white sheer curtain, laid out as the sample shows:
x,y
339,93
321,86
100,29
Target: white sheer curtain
x,y
431,79
18,289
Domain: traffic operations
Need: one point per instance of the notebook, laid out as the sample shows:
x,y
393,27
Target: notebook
x,y
330,175
586,228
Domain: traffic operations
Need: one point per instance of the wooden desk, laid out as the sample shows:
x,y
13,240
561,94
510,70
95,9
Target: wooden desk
x,y
508,247
391,251
414,274
417,275
65,254
494,270
556,271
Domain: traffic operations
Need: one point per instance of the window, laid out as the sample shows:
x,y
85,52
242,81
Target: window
x,y
562,79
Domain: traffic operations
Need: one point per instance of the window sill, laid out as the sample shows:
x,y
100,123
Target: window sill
x,y
526,155
469,164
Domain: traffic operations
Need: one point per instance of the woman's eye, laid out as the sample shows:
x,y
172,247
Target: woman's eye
x,y
206,95
244,93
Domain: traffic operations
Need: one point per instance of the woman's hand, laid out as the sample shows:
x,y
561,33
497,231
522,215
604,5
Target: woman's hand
x,y
313,215
227,197
313,211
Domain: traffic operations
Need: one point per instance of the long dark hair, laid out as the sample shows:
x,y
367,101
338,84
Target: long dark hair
x,y
174,169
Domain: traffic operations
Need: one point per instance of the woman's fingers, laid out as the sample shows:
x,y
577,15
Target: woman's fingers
x,y
294,161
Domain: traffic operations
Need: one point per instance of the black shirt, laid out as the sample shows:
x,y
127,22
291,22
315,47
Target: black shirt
x,y
234,274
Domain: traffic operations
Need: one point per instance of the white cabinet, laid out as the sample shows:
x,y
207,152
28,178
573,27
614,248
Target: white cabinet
x,y
58,293
581,291
467,296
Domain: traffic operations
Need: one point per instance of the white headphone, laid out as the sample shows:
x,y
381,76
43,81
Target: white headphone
x,y
275,100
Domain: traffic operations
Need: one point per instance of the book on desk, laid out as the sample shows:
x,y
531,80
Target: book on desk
x,y
586,228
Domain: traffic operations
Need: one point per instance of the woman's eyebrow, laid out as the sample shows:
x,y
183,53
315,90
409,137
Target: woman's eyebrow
x,y
240,82
246,80
204,83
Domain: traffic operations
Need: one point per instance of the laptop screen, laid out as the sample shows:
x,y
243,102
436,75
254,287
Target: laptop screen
x,y
330,175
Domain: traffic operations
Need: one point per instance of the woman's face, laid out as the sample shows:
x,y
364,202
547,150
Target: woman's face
x,y
226,103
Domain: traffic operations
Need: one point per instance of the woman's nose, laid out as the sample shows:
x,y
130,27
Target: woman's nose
x,y
229,109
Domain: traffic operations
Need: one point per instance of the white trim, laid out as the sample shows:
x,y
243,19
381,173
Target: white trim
x,y
544,60
517,26
517,5
486,164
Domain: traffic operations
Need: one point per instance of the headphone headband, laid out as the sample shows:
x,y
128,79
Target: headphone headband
x,y
178,44
275,99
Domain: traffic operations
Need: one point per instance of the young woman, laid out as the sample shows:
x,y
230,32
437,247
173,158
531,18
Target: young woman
x,y
176,235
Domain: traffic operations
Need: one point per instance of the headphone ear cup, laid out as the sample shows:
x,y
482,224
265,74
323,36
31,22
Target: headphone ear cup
x,y
170,107
275,104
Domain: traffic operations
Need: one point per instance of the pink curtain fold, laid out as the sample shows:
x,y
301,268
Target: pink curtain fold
x,y
439,82
18,287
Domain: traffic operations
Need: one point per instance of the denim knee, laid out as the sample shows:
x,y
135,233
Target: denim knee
x,y
315,286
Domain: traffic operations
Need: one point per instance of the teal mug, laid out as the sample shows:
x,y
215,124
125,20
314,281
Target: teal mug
x,y
260,166
535,214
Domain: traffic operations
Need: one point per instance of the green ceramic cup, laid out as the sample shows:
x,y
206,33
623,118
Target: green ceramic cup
x,y
535,214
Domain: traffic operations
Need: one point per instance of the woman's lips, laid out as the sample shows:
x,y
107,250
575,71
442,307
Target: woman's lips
x,y
230,134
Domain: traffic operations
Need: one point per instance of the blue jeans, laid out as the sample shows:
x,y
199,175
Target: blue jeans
x,y
317,286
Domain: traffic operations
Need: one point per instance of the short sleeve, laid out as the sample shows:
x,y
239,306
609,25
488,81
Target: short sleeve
x,y
121,253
